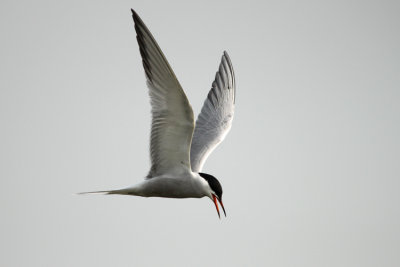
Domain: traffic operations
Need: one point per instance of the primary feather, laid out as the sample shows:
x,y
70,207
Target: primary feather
x,y
215,118
172,116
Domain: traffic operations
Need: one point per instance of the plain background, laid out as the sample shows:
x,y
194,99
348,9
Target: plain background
x,y
310,170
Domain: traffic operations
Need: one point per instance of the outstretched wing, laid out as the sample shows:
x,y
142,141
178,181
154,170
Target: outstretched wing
x,y
172,116
215,119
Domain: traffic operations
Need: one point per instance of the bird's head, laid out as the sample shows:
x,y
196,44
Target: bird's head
x,y
215,192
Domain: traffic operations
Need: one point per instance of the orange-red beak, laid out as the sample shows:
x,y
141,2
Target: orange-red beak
x,y
216,205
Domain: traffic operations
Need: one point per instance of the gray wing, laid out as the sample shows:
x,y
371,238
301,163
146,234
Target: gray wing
x,y
172,116
215,119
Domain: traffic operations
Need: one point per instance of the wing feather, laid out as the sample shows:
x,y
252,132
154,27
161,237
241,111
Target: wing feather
x,y
172,116
215,118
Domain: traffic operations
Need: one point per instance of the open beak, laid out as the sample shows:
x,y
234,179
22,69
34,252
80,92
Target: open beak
x,y
216,205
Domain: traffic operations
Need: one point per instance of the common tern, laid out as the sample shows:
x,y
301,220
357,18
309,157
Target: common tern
x,y
178,146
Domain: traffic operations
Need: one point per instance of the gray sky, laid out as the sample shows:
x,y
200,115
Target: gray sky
x,y
310,170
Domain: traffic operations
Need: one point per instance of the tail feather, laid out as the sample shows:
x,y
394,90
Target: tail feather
x,y
108,192
94,192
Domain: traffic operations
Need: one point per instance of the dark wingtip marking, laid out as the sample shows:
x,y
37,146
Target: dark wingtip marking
x,y
226,56
136,18
140,28
224,77
134,14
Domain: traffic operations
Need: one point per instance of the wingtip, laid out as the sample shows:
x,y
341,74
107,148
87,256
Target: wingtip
x,y
135,15
225,55
227,59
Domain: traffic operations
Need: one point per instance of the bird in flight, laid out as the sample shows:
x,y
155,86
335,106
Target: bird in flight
x,y
179,147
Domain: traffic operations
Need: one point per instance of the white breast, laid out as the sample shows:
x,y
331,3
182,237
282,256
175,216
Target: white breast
x,y
171,187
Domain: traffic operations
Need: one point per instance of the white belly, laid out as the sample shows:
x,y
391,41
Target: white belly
x,y
186,187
